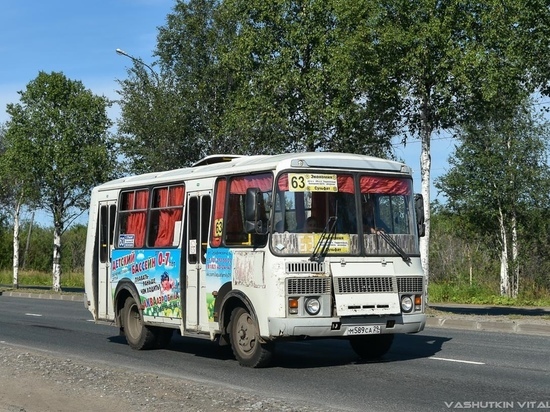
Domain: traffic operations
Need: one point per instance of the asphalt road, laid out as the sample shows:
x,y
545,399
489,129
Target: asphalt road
x,y
438,369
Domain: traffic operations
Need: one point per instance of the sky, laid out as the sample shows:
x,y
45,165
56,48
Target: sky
x,y
79,38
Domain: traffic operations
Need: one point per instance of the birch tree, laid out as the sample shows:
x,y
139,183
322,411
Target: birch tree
x,y
58,134
498,179
16,191
454,61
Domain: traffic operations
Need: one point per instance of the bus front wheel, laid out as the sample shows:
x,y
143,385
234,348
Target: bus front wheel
x,y
371,347
137,334
245,340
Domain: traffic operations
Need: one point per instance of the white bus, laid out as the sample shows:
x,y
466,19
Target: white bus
x,y
250,250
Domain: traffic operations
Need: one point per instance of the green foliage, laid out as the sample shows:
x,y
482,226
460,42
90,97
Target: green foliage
x,y
498,187
465,262
35,278
256,77
478,295
6,247
302,79
171,118
38,258
58,135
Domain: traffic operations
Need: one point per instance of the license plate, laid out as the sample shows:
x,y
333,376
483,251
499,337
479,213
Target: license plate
x,y
363,330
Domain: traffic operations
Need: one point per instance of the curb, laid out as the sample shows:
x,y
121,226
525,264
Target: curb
x,y
77,297
523,327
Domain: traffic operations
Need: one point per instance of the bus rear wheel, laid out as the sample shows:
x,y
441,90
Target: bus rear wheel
x,y
371,347
137,334
245,340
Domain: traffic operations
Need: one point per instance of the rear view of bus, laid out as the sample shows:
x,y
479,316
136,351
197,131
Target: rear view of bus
x,y
262,249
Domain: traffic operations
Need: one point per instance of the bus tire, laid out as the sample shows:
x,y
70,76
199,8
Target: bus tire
x,y
371,347
245,340
137,334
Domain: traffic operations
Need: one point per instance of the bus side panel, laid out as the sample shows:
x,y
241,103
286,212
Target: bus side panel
x,y
156,274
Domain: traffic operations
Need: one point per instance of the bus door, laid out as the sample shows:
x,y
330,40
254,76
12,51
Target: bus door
x,y
106,228
199,205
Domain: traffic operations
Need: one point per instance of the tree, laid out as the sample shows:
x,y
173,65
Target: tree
x,y
531,22
58,133
498,181
17,189
172,118
300,83
452,61
189,48
255,77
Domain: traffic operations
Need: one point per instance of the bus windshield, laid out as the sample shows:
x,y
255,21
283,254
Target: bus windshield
x,y
366,214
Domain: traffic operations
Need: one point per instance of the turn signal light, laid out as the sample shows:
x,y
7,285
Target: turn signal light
x,y
293,306
418,302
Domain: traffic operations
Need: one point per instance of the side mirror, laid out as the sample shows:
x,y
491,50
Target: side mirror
x,y
419,209
254,212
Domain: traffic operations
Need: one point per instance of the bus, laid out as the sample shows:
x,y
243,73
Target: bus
x,y
252,250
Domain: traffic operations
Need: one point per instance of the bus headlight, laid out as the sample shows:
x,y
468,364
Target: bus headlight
x,y
313,306
406,304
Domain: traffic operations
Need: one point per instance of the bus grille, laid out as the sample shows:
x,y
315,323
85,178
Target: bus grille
x,y
308,286
366,284
410,285
305,267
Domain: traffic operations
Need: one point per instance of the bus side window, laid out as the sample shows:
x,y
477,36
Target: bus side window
x,y
235,232
206,206
218,215
133,216
107,216
165,216
103,235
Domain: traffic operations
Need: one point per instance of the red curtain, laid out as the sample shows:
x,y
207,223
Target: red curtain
x,y
136,220
240,184
171,197
385,185
345,184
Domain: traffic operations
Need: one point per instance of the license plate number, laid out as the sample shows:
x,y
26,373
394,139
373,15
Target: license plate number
x,y
363,330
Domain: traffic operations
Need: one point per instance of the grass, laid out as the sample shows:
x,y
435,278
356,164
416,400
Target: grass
x,y
484,295
34,278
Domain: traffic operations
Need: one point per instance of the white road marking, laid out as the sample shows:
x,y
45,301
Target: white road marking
x,y
33,314
457,360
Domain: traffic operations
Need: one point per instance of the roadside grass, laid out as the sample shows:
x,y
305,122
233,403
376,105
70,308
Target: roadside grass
x,y
43,279
485,295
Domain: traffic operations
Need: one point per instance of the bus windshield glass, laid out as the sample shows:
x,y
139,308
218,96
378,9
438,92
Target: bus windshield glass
x,y
365,214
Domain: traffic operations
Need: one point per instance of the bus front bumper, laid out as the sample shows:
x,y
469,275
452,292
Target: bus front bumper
x,y
345,326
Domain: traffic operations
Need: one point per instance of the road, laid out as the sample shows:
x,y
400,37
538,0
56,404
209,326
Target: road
x,y
438,369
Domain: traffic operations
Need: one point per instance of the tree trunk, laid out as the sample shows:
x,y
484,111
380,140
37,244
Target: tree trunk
x,y
16,245
470,266
25,254
56,259
425,166
515,253
504,277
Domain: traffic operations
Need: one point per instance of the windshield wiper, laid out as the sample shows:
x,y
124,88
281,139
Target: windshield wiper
x,y
322,245
394,245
